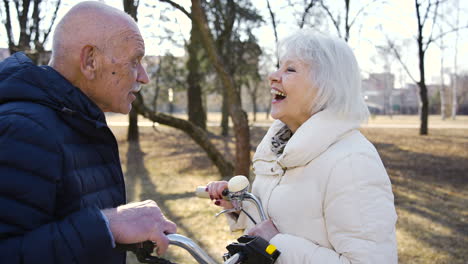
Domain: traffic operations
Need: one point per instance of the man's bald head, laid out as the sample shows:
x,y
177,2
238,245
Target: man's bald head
x,y
99,49
88,23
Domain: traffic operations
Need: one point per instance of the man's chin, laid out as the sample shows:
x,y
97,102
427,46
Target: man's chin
x,y
127,111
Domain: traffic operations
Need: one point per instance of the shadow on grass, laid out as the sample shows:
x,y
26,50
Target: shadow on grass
x,y
438,169
137,175
425,185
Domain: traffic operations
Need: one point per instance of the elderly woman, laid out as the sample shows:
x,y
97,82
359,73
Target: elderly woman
x,y
321,182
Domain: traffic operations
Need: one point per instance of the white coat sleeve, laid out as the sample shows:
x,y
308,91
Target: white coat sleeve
x,y
243,222
359,216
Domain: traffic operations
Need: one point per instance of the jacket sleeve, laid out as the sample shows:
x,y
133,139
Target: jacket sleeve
x,y
30,176
359,216
243,222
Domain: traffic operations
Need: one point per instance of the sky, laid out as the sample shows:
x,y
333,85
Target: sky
x,y
382,20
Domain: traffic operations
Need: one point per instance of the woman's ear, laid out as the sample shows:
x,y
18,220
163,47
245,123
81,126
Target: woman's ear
x,y
88,61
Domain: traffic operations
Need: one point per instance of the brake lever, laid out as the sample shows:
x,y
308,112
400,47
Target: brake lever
x,y
143,252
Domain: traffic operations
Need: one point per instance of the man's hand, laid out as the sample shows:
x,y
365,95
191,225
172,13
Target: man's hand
x,y
138,222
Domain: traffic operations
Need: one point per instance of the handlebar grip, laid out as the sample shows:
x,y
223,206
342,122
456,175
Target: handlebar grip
x,y
201,192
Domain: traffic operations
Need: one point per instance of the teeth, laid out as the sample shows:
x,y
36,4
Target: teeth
x,y
273,91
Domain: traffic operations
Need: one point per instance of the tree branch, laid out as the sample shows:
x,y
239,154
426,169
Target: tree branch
x,y
434,19
46,33
177,6
335,22
273,21
199,135
444,34
360,11
36,20
306,12
8,28
398,56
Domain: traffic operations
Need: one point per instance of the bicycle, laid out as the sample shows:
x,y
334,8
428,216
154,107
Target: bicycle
x,y
248,249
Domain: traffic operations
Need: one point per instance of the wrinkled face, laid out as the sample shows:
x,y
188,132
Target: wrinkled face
x,y
121,72
293,92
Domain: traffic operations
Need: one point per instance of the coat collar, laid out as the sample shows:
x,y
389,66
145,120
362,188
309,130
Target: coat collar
x,y
21,80
311,139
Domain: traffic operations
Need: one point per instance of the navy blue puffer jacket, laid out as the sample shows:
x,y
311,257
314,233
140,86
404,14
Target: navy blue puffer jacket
x,y
59,166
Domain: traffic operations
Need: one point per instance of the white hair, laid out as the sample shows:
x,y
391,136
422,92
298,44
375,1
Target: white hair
x,y
334,72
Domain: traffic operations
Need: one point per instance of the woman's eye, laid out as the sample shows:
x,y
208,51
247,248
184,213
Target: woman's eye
x,y
289,69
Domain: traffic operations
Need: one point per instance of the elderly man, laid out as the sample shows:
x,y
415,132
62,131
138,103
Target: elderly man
x,y
62,190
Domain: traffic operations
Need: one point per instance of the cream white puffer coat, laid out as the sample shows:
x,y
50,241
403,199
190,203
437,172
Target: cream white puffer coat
x,y
328,194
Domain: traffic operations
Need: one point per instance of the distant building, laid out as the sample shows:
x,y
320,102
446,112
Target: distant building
x,y
377,90
383,98
461,83
405,100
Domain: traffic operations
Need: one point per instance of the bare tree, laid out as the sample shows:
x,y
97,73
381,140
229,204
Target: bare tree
x,y
423,14
343,29
455,63
442,93
239,117
200,136
33,29
275,31
196,111
307,9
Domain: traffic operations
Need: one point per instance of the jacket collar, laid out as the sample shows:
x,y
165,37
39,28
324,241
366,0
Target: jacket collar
x,y
21,80
311,139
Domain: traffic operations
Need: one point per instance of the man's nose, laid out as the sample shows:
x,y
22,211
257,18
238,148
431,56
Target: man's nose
x,y
142,75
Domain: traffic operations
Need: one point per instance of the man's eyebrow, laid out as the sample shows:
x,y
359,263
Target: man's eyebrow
x,y
140,53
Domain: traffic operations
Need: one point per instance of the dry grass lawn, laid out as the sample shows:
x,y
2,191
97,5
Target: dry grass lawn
x,y
429,176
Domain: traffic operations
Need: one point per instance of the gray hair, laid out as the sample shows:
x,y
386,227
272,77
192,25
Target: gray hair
x,y
333,70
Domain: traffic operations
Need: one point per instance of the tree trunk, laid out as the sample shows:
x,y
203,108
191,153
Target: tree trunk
x,y
455,66
454,97
131,8
132,133
423,94
254,106
199,135
224,114
196,112
424,106
239,117
442,86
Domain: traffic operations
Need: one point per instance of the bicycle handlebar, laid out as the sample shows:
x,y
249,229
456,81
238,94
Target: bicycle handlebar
x,y
186,243
236,193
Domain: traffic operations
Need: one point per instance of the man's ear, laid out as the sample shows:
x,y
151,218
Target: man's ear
x,y
88,61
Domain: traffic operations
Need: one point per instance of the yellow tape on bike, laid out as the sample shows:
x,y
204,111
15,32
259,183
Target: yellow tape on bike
x,y
270,249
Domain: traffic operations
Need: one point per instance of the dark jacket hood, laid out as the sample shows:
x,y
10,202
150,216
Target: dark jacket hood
x,y
21,80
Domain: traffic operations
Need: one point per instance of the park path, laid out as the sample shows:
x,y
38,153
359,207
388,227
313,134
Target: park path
x,y
119,122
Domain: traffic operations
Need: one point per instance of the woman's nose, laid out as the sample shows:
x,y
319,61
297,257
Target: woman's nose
x,y
274,77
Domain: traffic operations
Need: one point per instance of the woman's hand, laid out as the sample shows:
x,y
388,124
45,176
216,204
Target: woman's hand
x,y
266,230
215,189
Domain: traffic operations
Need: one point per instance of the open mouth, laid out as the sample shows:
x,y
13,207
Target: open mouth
x,y
278,96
